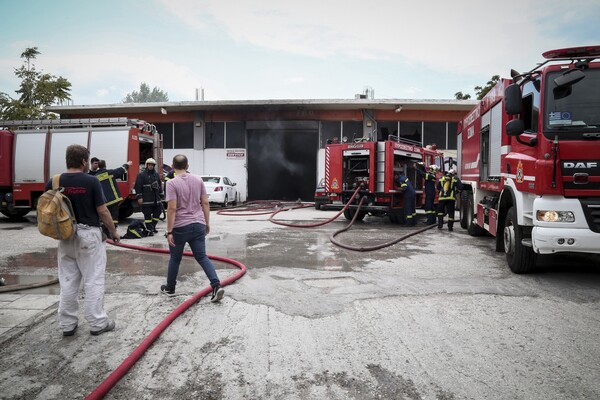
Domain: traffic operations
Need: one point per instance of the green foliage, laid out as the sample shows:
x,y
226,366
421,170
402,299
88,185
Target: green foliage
x,y
37,92
145,95
482,91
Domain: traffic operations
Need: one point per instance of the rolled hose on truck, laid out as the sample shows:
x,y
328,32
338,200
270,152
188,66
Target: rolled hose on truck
x,y
130,361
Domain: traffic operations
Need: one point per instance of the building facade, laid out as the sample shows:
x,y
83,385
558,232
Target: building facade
x,y
274,149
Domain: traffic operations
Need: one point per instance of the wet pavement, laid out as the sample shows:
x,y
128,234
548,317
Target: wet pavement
x,y
437,316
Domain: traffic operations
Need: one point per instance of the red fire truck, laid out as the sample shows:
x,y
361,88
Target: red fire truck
x,y
529,160
31,152
373,165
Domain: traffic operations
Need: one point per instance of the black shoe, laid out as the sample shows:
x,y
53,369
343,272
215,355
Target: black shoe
x,y
217,294
150,233
154,230
109,327
71,332
165,290
450,229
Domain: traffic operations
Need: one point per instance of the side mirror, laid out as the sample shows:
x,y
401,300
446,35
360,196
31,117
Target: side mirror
x,y
513,102
515,127
233,184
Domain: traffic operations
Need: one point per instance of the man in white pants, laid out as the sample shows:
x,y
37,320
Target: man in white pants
x,y
83,257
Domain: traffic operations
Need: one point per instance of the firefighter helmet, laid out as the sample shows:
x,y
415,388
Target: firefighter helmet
x,y
434,167
150,161
452,172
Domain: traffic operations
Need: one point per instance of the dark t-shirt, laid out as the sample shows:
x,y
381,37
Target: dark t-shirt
x,y
85,194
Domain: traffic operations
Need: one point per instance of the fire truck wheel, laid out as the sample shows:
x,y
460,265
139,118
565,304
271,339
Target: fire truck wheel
x,y
467,214
349,214
16,214
125,211
521,259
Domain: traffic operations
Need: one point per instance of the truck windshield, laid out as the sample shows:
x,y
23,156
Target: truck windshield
x,y
573,111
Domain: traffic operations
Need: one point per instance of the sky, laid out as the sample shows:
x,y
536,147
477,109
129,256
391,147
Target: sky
x,y
277,49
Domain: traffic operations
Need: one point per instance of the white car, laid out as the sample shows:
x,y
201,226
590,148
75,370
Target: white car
x,y
220,189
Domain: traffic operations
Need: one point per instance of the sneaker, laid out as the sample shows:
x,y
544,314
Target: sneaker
x,y
109,327
165,290
217,294
71,332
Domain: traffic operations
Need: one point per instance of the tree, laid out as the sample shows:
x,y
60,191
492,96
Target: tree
x,y
479,91
37,92
145,95
482,91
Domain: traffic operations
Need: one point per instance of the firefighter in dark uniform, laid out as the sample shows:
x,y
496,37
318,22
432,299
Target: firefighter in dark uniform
x,y
407,189
149,191
448,186
108,181
430,181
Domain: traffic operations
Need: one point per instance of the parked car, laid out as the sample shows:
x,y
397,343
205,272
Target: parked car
x,y
220,189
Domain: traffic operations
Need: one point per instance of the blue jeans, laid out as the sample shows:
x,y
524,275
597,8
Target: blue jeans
x,y
193,234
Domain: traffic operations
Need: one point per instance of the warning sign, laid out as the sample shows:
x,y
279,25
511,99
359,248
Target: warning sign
x,y
236,154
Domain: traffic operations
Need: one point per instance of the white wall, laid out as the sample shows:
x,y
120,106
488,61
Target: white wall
x,y
216,162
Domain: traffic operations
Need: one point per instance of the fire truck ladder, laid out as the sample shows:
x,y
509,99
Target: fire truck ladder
x,y
76,123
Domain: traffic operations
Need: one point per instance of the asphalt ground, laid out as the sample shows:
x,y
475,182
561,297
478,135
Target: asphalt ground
x,y
437,316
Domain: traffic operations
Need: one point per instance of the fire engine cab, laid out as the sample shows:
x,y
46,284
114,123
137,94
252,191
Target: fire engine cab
x,y
529,160
31,152
372,165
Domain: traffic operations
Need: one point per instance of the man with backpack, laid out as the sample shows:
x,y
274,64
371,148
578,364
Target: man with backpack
x,y
82,257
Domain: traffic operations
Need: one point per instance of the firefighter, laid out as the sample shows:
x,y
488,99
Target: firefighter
x,y
448,186
407,189
430,182
108,181
94,166
149,192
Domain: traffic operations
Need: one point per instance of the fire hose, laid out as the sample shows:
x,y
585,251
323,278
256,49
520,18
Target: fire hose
x,y
280,207
122,369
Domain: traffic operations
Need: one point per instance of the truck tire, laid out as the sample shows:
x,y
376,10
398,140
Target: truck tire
x,y
16,214
467,213
521,259
349,214
125,211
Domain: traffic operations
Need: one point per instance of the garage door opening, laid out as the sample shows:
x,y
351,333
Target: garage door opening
x,y
282,164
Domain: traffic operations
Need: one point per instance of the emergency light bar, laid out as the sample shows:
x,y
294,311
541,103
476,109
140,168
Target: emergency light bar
x,y
572,52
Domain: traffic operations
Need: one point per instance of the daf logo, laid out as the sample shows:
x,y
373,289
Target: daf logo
x,y
580,164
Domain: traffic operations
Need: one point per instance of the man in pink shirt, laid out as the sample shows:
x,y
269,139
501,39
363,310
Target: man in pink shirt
x,y
188,213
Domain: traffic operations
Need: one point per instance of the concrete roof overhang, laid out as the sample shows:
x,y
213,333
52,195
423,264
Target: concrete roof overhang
x,y
236,105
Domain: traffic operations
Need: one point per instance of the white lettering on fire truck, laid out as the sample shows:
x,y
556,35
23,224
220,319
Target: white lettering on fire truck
x,y
355,146
580,164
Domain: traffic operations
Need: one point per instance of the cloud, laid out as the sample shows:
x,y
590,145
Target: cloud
x,y
121,74
465,36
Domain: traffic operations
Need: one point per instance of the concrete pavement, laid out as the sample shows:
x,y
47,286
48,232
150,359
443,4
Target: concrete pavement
x,y
438,316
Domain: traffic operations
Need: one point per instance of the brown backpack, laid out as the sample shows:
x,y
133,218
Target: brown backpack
x,y
55,216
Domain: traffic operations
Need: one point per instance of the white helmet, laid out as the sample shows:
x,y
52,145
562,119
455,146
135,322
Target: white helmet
x,y
150,161
434,167
452,171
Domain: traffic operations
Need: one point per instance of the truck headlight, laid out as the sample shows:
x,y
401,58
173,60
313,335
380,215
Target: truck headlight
x,y
555,216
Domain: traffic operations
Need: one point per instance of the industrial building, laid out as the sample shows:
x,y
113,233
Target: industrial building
x,y
274,149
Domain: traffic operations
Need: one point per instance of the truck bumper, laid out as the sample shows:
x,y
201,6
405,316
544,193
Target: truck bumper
x,y
553,240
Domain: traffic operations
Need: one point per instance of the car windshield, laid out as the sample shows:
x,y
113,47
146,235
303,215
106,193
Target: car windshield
x,y
572,111
211,179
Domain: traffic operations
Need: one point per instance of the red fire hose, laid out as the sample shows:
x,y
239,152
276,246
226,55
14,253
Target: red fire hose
x,y
122,369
